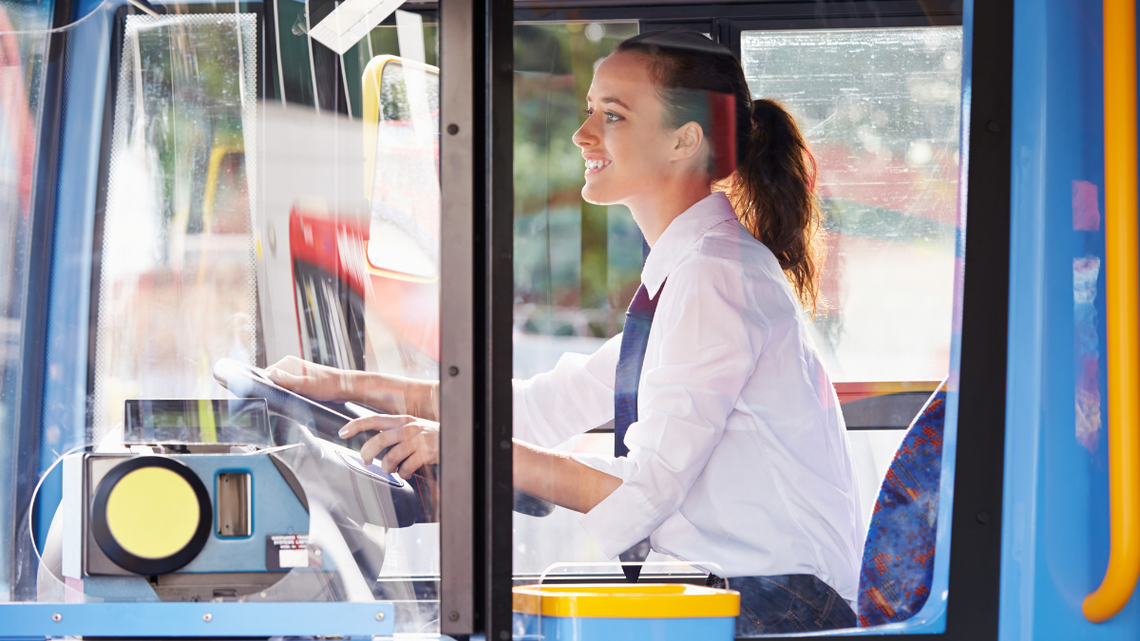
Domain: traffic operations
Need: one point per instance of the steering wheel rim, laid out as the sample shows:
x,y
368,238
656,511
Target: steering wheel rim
x,y
246,381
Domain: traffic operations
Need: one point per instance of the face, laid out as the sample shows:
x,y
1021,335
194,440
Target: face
x,y
629,151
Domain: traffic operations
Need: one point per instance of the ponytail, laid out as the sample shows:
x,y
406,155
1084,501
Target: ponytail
x,y
773,193
773,186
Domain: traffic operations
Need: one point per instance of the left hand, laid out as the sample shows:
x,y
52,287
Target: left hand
x,y
414,441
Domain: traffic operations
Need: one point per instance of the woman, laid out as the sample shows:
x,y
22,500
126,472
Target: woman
x,y
729,443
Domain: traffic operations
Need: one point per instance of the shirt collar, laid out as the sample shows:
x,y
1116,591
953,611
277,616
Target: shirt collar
x,y
680,235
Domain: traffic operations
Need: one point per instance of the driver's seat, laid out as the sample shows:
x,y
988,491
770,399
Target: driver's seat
x,y
898,557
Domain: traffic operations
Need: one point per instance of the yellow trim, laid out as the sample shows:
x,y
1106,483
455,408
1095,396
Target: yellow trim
x,y
854,391
1122,299
411,278
213,169
626,601
889,387
207,427
370,98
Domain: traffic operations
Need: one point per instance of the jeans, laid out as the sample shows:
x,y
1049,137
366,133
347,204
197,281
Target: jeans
x,y
785,604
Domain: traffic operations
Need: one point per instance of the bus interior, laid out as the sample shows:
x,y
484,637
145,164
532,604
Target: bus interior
x,y
200,189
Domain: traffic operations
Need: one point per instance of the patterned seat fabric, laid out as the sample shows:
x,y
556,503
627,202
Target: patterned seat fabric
x,y
898,558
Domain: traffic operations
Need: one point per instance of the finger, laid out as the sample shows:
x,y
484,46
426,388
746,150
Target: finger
x,y
375,423
290,364
412,464
373,446
397,454
294,366
312,380
287,380
307,386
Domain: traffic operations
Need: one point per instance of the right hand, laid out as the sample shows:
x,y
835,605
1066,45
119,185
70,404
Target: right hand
x,y
392,394
414,442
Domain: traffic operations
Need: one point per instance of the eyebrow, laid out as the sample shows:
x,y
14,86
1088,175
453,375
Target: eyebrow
x,y
616,101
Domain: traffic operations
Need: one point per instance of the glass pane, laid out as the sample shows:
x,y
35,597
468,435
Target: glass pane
x,y
231,246
726,430
880,108
22,74
577,264
177,257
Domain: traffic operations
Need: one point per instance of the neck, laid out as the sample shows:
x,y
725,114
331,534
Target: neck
x,y
654,212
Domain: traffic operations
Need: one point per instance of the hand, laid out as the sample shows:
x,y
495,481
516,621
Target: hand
x,y
317,382
393,394
414,442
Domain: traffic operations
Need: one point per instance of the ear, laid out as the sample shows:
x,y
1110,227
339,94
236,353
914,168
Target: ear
x,y
687,141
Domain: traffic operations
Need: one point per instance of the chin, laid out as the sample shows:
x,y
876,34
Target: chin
x,y
595,196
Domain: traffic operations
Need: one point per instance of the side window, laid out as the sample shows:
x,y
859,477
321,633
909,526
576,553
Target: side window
x,y
880,108
178,253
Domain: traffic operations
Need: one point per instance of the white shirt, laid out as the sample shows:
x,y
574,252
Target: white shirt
x,y
739,455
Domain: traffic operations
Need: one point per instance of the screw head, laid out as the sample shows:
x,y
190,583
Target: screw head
x,y
454,616
504,635
57,617
379,616
453,129
453,370
993,127
983,517
207,617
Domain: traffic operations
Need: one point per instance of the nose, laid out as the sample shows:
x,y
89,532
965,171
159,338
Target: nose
x,y
586,136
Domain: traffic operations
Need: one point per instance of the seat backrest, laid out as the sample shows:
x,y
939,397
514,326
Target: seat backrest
x,y
898,557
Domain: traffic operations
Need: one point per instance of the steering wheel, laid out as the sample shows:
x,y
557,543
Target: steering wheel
x,y
326,418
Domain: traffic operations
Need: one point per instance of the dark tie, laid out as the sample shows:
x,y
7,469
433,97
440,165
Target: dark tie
x,y
634,339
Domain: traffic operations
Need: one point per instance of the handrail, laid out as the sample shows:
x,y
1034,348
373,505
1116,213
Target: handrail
x,y
1122,299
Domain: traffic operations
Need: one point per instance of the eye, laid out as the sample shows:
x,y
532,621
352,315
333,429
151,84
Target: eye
x,y
588,112
612,117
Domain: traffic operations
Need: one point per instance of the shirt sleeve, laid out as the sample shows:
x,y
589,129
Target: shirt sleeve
x,y
574,397
711,333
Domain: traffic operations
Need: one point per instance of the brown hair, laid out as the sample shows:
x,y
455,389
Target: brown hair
x,y
757,153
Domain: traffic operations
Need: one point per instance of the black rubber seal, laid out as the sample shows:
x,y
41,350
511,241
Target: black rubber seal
x,y
138,564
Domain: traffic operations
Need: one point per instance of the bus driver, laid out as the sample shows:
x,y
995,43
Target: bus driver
x,y
729,442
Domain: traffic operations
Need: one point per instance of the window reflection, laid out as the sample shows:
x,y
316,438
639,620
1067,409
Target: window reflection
x,y
881,110
177,255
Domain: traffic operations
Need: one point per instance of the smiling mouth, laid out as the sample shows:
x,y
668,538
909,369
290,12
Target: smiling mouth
x,y
594,166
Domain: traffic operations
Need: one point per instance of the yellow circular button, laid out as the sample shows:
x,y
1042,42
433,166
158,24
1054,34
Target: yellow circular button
x,y
152,512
